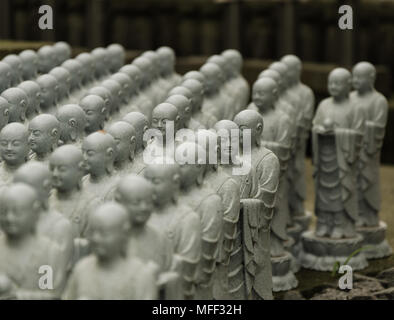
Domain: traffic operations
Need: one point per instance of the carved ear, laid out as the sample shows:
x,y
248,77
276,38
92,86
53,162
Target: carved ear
x,y
104,110
23,103
177,119
47,185
72,123
259,127
54,132
176,178
56,88
110,152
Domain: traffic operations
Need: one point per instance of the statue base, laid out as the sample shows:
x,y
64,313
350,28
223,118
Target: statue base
x,y
304,221
321,253
283,277
292,245
375,237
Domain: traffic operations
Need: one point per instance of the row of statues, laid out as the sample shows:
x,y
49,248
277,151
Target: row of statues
x,y
119,208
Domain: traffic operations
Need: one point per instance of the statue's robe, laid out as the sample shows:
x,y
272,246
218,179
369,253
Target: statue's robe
x,y
214,106
375,108
208,205
127,279
6,175
240,93
102,189
182,226
138,165
348,122
21,264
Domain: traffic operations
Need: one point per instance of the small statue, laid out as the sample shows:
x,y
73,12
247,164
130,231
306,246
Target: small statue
x,y
106,95
167,66
14,150
23,250
4,112
108,273
63,51
126,86
375,108
63,77
18,101
95,110
102,64
75,68
116,93
29,64
33,92
15,62
5,79
72,119
49,95
117,56
50,223
183,105
195,75
46,59
147,87
179,223
89,66
159,84
337,135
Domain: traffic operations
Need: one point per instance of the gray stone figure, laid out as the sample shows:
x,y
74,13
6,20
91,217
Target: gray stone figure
x,y
147,85
68,197
183,105
76,70
72,119
23,249
277,137
265,186
50,223
179,223
195,75
63,51
99,151
116,93
117,56
375,108
5,76
88,62
14,150
181,90
46,59
95,110
160,85
18,101
108,273
208,205
4,112
105,94
337,135
49,87
163,114
167,66
102,64
16,64
135,193
33,92
29,64
63,77
126,84
44,136
234,57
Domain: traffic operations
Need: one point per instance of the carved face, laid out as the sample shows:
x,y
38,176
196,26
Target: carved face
x,y
362,79
229,144
14,147
95,158
139,205
163,115
262,97
338,85
95,116
16,218
42,136
66,173
48,93
163,182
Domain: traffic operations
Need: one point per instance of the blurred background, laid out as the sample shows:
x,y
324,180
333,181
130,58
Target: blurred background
x,y
263,30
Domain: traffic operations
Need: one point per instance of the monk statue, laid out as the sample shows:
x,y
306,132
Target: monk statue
x,y
183,105
106,95
109,273
29,64
75,68
49,87
117,56
88,62
24,251
195,75
147,83
126,84
266,180
167,66
50,222
72,120
95,110
18,101
4,111
63,51
158,83
14,150
102,64
375,108
337,136
44,136
176,221
15,62
33,92
135,193
116,92
46,59
6,76
208,205
63,77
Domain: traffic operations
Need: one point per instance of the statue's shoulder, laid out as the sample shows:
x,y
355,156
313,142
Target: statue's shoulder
x,y
86,265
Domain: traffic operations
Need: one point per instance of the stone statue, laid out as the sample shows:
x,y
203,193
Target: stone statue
x,y
167,66
75,68
195,75
49,88
63,51
89,66
4,112
95,110
63,77
33,92
108,273
234,58
50,223
14,150
5,79
145,242
72,119
106,95
24,250
375,108
147,87
179,223
183,105
160,85
116,93
46,59
208,205
29,64
117,56
18,101
337,134
44,136
126,87
15,62
102,64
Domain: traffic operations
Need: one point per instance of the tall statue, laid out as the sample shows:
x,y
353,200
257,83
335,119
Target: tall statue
x,y
24,250
375,108
72,121
108,273
18,101
178,222
337,135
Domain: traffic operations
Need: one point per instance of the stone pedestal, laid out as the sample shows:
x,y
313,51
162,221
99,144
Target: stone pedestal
x,y
304,221
293,246
375,237
322,253
283,277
